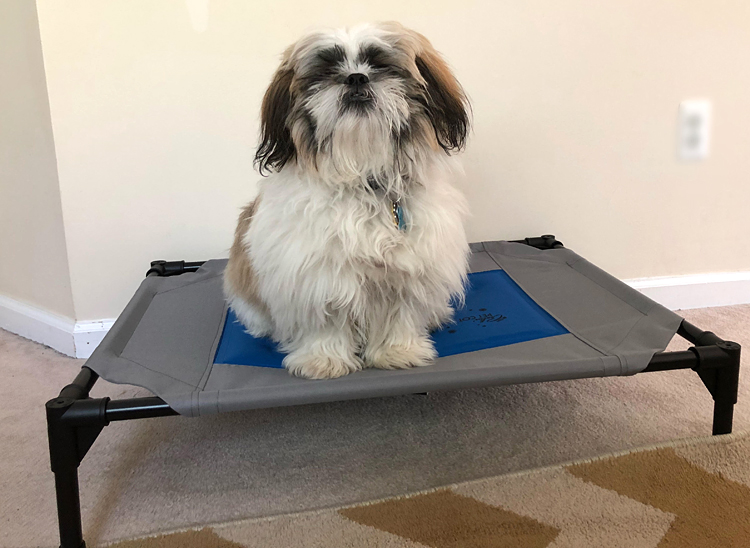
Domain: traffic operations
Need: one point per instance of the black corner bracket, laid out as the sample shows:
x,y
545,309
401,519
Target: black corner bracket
x,y
172,268
74,421
547,241
719,368
717,363
72,427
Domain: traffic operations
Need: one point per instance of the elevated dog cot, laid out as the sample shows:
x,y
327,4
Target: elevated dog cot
x,y
534,312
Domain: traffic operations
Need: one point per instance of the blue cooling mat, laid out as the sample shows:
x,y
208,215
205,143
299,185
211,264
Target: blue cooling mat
x,y
497,313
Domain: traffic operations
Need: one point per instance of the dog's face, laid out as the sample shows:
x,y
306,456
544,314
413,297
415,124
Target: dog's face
x,y
353,103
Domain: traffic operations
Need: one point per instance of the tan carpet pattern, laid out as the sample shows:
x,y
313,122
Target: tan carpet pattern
x,y
445,519
652,498
199,538
709,510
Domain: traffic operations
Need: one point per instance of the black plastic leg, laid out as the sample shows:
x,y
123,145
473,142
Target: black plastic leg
x,y
69,509
726,384
717,363
64,460
719,369
723,414
73,423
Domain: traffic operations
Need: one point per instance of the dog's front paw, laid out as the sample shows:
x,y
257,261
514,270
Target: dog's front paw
x,y
312,366
419,352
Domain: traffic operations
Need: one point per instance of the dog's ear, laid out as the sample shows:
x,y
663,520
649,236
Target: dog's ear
x,y
276,145
446,102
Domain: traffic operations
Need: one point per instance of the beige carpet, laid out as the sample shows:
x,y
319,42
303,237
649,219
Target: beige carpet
x,y
143,477
692,494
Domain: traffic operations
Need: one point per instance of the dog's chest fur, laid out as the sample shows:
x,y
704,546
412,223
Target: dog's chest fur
x,y
351,230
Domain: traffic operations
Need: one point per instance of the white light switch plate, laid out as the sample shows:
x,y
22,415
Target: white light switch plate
x,y
694,129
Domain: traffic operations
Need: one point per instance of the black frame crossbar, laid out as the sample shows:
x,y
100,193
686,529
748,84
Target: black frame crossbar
x,y
74,419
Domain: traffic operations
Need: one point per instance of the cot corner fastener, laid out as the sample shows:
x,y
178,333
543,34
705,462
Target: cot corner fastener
x,y
74,421
719,368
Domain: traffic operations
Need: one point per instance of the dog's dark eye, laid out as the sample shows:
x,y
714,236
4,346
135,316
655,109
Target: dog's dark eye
x,y
374,56
332,56
323,66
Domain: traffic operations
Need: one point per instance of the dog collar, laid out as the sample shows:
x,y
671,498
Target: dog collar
x,y
373,182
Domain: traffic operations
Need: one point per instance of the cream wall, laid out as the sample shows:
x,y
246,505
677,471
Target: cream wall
x,y
33,260
575,106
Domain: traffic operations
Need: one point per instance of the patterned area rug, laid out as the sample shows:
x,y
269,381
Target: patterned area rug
x,y
690,494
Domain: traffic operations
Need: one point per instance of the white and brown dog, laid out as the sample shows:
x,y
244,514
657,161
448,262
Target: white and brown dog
x,y
354,248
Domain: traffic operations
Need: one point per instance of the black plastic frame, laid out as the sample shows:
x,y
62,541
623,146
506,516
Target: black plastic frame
x,y
74,420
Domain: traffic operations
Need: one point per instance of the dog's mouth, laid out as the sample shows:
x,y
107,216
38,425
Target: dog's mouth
x,y
360,100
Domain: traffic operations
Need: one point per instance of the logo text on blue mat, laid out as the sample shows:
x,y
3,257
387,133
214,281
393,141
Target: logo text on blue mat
x,y
482,318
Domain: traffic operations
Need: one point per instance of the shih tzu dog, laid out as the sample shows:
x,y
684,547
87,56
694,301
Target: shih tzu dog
x,y
354,248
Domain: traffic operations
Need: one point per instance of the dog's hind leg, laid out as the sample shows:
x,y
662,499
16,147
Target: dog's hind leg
x,y
257,322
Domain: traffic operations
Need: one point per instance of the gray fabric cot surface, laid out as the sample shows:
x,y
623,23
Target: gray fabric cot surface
x,y
166,338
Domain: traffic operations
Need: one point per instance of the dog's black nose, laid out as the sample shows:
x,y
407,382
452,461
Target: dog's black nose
x,y
356,79
358,93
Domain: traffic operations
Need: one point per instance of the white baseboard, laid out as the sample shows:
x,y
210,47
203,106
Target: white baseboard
x,y
38,325
76,339
696,290
79,339
88,335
